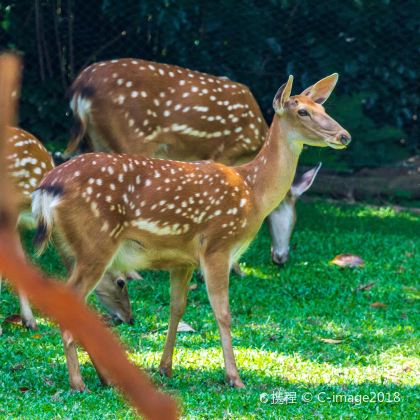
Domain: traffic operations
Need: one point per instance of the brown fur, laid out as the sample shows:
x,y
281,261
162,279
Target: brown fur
x,y
166,111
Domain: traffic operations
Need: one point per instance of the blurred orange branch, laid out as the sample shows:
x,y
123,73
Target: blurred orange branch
x,y
55,299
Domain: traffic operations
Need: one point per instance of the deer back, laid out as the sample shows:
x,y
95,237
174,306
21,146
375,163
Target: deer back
x,y
28,161
161,110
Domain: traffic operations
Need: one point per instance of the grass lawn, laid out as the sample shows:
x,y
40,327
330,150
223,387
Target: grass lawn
x,y
280,317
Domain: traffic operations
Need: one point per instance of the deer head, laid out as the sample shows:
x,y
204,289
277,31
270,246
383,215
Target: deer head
x,y
282,220
112,292
306,116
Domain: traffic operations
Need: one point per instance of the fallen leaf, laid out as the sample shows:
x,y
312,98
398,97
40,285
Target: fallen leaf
x,y
16,366
367,286
193,286
313,321
378,305
13,319
37,336
348,260
48,381
23,389
184,327
330,341
56,396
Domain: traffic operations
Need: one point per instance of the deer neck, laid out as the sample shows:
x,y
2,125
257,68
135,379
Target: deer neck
x,y
271,173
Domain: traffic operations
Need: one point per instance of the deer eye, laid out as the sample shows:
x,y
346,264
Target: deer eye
x,y
303,113
121,283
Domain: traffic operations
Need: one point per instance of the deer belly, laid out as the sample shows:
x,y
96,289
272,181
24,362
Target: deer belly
x,y
132,255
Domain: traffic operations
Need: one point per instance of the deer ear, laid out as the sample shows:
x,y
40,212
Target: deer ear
x,y
133,275
305,182
320,91
282,95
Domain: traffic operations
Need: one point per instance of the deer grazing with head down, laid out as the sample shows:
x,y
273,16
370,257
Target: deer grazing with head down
x,y
283,218
132,212
28,162
160,110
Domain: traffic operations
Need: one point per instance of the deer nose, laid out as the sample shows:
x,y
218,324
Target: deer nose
x,y
131,321
344,138
279,258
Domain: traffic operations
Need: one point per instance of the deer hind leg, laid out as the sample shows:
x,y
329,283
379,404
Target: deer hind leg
x,y
179,289
82,280
216,273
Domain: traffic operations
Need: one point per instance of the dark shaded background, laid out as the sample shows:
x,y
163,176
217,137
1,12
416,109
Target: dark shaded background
x,y
374,45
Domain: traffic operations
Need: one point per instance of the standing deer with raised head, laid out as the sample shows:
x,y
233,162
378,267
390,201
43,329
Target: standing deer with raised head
x,y
160,110
28,162
132,212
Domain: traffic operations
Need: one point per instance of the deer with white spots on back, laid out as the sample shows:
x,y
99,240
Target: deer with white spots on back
x,y
160,110
132,212
28,162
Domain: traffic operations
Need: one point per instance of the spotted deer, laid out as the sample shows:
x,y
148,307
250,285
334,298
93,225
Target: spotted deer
x,y
28,162
126,211
166,111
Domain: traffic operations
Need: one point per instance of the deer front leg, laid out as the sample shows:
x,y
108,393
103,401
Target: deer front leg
x,y
179,289
216,274
26,314
82,281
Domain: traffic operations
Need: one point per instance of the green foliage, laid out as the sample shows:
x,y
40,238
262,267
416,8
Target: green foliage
x,y
279,317
370,43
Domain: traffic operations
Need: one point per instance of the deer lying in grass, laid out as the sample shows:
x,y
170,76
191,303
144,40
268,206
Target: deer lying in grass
x,y
132,212
28,162
161,110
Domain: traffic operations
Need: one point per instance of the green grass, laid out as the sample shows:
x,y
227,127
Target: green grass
x,y
279,319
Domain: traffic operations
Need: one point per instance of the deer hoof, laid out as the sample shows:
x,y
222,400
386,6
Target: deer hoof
x,y
235,382
78,386
166,371
30,324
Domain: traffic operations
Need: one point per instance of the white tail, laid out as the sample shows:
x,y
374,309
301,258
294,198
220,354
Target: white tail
x,y
127,212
